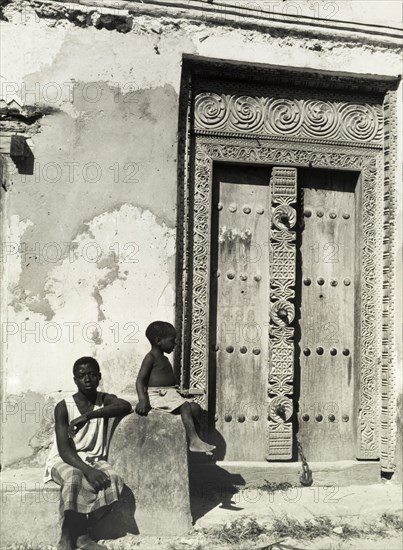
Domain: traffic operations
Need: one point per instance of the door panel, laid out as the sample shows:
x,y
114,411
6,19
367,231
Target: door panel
x,y
327,307
328,366
240,289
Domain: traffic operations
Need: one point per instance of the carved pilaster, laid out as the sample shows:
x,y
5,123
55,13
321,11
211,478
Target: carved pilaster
x,y
388,372
282,282
371,287
200,275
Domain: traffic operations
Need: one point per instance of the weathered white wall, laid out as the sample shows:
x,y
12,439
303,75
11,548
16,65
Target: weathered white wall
x,y
105,179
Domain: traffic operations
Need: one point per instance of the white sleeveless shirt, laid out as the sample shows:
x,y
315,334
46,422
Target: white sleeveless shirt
x,y
89,441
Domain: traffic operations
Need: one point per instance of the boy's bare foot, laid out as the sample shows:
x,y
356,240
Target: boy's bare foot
x,y
84,542
199,446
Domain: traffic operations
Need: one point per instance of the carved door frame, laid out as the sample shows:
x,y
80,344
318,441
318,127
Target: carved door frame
x,y
215,126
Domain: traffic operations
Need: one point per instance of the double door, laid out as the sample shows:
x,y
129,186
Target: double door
x,y
318,393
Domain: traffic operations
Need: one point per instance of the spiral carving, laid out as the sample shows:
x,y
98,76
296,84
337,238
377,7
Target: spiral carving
x,y
284,217
211,110
321,119
307,118
246,114
283,403
284,116
282,306
359,122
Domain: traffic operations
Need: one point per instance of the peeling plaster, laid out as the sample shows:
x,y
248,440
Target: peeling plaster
x,y
15,230
122,166
100,306
98,298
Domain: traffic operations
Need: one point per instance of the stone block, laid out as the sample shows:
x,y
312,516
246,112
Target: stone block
x,y
151,454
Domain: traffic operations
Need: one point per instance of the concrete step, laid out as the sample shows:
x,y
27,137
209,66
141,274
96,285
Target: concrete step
x,y
341,473
29,508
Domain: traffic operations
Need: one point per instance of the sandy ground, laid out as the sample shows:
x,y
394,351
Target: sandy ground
x,y
354,505
391,542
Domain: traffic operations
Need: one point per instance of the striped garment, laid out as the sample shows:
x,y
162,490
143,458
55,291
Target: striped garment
x,y
89,442
78,495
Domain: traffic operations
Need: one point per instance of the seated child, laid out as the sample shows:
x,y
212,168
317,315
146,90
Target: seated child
x,y
156,384
76,460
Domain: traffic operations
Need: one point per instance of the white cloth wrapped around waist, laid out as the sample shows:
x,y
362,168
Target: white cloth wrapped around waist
x,y
166,398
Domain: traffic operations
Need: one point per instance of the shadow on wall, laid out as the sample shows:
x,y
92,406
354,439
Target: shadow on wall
x,y
211,485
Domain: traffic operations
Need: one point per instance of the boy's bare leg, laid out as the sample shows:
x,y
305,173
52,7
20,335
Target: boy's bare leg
x,y
196,445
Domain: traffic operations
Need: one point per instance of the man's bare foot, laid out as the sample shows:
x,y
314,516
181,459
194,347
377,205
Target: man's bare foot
x,y
65,540
199,446
84,542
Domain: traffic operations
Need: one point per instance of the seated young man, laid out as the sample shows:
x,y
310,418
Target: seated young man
x,y
77,458
156,384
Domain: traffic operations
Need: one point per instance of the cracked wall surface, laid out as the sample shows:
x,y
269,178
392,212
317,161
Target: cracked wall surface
x,y
89,260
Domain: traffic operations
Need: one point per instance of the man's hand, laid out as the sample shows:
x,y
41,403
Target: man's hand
x,y
143,407
98,479
76,425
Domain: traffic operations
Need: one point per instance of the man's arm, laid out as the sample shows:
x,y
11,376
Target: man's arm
x,y
68,453
113,406
143,406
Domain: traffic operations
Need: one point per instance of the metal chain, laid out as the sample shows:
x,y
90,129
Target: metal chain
x,y
306,475
305,478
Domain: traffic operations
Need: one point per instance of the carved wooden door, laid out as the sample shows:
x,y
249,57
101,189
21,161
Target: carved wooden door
x,y
329,310
239,308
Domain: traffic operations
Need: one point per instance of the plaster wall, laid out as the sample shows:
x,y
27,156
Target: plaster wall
x,y
89,236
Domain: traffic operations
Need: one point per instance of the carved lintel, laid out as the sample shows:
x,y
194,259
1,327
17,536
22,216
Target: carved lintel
x,y
313,119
